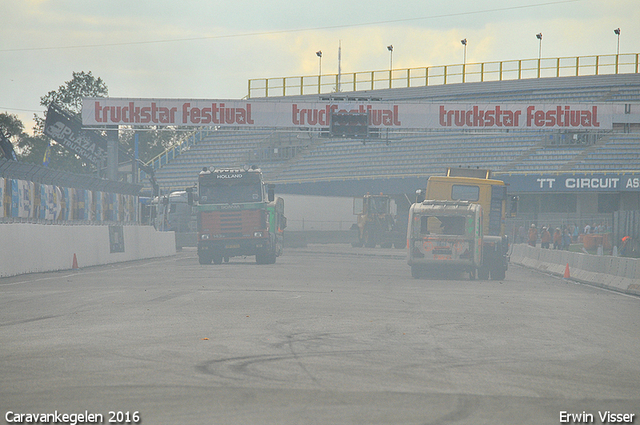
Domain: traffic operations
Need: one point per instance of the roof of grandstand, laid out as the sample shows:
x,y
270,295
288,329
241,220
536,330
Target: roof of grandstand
x,y
306,162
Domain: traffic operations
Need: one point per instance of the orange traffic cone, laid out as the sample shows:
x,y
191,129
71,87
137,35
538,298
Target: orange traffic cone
x,y
566,272
75,262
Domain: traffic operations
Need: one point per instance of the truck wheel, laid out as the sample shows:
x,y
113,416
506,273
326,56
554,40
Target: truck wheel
x,y
266,257
498,273
369,240
217,258
483,273
386,245
204,260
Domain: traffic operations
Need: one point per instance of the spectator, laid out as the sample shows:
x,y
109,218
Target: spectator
x,y
575,234
566,240
533,235
545,238
557,239
625,246
587,229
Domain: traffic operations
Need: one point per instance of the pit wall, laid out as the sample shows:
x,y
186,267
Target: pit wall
x,y
30,248
615,273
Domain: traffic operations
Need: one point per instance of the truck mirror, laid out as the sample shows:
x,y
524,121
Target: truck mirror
x,y
419,196
190,198
271,192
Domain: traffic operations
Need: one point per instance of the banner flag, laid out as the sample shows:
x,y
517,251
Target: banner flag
x,y
67,130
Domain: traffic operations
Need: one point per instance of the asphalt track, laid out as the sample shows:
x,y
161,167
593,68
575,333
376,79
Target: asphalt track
x,y
328,335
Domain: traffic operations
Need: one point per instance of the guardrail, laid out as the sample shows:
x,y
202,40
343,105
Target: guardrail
x,y
172,152
445,74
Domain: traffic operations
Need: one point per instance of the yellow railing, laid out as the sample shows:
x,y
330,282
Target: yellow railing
x,y
445,74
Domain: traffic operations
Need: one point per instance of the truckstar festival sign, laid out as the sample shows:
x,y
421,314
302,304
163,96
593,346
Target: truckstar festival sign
x,y
101,112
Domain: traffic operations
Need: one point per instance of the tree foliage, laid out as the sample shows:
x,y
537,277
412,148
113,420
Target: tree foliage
x,y
151,140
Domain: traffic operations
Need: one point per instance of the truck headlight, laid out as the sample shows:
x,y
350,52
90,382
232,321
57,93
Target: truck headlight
x,y
204,237
257,234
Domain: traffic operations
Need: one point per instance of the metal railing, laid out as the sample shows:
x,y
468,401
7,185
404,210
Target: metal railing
x,y
445,74
172,152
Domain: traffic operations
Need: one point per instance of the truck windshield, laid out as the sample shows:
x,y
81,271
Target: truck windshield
x,y
442,225
379,206
230,191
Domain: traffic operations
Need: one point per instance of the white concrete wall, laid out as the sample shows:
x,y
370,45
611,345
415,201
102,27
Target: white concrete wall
x,y
306,212
29,248
617,273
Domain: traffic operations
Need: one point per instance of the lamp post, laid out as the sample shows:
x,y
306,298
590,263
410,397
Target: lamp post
x,y
319,55
464,58
390,49
539,37
617,32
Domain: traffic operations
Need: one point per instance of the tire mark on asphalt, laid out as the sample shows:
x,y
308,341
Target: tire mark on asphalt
x,y
34,319
240,367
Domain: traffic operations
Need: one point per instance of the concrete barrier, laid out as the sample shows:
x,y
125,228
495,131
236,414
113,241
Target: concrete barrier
x,y
616,273
30,248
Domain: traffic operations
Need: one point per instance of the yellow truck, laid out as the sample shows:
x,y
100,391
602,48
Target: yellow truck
x,y
376,222
477,186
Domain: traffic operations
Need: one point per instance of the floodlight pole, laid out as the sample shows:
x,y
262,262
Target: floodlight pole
x,y
319,54
390,49
539,37
617,32
464,58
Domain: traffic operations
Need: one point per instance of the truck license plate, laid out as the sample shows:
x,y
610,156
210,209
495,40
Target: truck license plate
x,y
232,246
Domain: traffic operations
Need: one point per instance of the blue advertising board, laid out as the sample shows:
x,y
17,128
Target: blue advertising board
x,y
571,182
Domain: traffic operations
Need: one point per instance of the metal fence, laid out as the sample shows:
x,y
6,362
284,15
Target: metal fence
x,y
44,175
445,74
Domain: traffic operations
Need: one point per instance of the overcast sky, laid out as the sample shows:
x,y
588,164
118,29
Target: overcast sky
x,y
210,49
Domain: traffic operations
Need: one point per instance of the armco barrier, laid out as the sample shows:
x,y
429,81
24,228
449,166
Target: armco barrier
x,y
29,248
617,273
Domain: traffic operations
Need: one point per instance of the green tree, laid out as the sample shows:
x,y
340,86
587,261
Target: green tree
x,y
28,148
68,97
152,140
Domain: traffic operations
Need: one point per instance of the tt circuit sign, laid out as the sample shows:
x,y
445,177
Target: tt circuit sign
x,y
572,183
99,112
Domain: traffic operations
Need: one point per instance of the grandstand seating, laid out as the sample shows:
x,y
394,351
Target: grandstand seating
x,y
430,152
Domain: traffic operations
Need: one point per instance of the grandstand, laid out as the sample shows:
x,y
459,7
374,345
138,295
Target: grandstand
x,y
300,160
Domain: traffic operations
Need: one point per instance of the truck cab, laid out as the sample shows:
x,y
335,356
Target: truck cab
x,y
477,186
173,212
238,215
445,236
377,222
